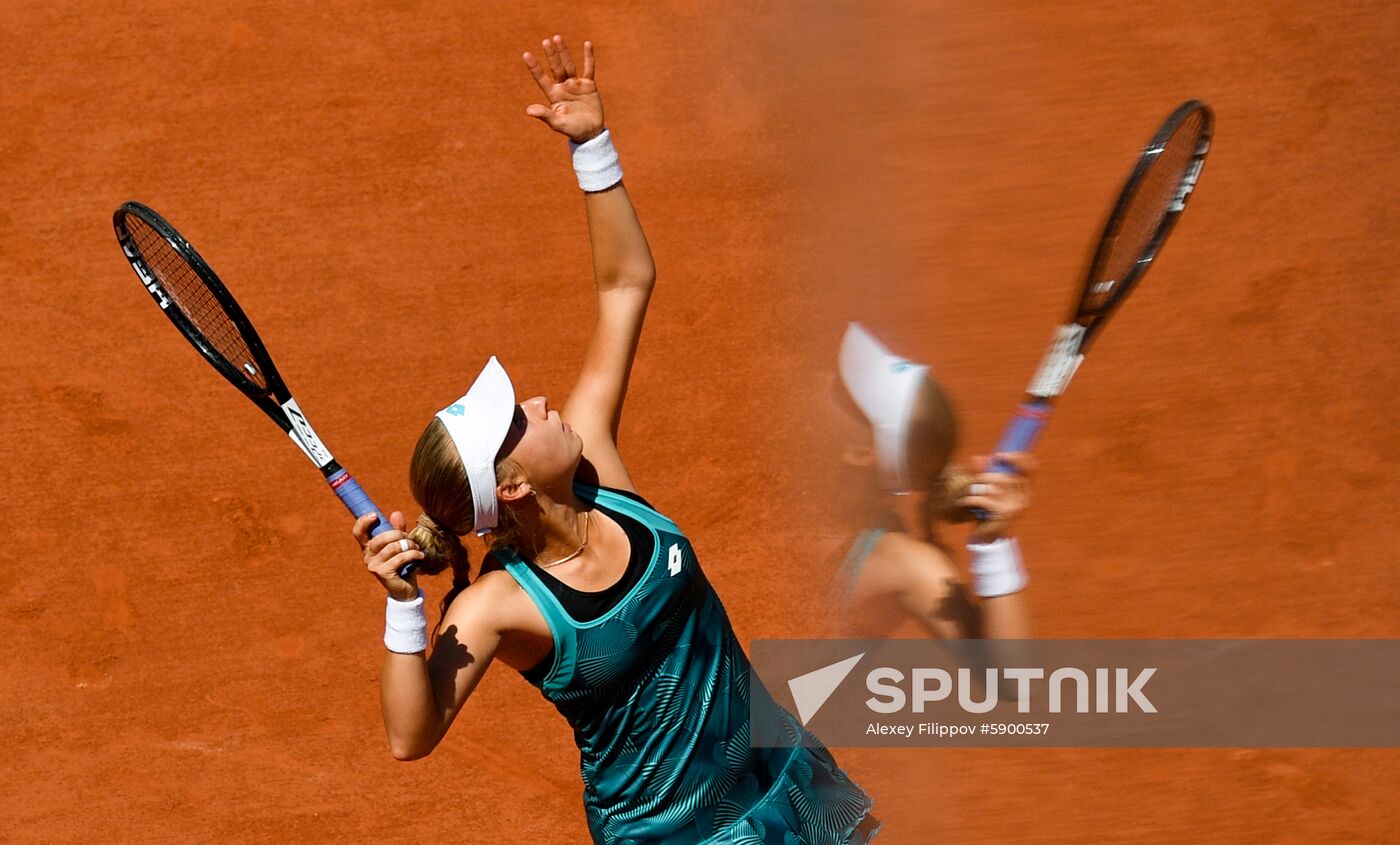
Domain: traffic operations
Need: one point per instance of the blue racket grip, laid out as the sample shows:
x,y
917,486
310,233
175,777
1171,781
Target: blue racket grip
x,y
358,501
1020,435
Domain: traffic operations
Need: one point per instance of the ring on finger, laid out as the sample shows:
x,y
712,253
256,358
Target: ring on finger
x,y
403,545
979,489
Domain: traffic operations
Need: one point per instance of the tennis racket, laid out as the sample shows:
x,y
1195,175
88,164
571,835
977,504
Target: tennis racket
x,y
199,305
1144,215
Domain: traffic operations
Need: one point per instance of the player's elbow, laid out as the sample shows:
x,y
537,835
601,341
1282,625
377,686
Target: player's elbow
x,y
407,747
636,275
405,751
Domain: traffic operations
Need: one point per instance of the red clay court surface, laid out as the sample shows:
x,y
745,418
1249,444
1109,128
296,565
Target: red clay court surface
x,y
191,649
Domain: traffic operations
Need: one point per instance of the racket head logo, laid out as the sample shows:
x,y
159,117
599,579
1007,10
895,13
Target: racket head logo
x,y
150,282
1188,184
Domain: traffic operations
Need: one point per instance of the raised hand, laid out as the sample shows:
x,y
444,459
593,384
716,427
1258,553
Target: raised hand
x,y
575,109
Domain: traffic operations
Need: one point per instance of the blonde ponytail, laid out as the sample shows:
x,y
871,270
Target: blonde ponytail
x,y
441,547
439,485
952,484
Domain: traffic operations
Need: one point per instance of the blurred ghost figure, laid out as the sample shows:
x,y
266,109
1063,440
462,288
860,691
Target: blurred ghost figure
x,y
902,568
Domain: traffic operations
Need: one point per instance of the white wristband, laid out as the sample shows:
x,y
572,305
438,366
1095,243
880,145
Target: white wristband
x,y
596,163
996,568
405,626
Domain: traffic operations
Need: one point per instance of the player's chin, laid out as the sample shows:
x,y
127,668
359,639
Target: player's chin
x,y
575,451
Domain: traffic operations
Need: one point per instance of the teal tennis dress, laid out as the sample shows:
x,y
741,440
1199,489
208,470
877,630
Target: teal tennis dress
x,y
656,688
849,573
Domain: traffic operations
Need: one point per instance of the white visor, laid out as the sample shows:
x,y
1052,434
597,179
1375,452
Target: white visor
x,y
478,424
884,387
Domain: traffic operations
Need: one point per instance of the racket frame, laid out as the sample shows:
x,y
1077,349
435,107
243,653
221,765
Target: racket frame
x,y
1072,339
276,400
1094,318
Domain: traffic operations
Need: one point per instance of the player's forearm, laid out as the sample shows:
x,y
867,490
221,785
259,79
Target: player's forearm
x,y
412,717
621,255
1006,617
998,579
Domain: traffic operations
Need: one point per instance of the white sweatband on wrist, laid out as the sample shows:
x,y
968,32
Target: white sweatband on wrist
x,y
996,568
405,626
596,163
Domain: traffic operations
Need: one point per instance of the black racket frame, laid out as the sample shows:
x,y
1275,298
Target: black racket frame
x,y
1094,318
272,399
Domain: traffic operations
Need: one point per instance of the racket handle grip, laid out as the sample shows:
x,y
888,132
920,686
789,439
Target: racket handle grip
x,y
358,501
1021,433
1019,436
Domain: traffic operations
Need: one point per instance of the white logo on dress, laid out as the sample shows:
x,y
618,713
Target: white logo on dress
x,y
674,564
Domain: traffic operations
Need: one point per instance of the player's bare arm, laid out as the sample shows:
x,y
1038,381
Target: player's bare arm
x,y
623,269
421,693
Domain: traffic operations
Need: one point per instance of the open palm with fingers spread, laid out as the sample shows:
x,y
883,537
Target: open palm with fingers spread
x,y
575,109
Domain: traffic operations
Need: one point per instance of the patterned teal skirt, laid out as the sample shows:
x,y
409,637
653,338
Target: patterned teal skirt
x,y
809,801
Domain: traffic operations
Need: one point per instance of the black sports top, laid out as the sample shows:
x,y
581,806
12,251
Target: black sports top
x,y
584,606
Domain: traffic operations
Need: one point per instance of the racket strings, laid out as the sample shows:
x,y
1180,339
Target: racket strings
x,y
189,291
1142,220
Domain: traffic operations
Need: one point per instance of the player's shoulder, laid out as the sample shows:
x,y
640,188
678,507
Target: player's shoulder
x,y
494,596
496,586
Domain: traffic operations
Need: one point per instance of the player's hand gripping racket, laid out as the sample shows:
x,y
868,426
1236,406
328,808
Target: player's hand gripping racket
x,y
199,305
1146,210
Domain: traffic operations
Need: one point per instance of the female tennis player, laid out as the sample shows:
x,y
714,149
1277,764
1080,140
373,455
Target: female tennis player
x,y
901,569
589,592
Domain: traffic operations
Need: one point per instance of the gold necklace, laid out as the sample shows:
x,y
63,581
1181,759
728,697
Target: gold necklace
x,y
587,518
